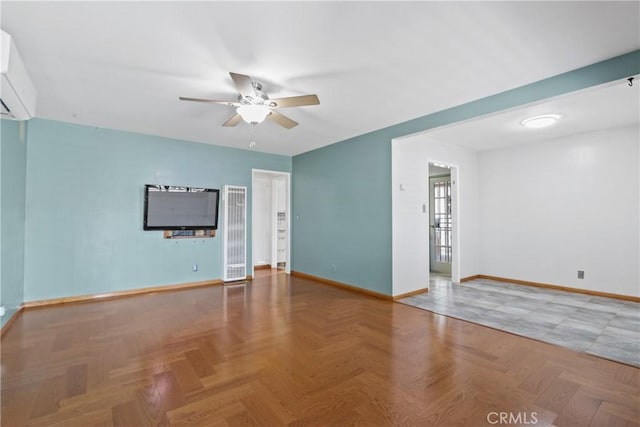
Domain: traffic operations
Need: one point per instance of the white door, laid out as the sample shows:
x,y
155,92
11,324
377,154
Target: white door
x,y
262,225
440,223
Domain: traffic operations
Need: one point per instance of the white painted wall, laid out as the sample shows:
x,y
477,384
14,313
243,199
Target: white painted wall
x,y
281,193
410,166
262,225
551,208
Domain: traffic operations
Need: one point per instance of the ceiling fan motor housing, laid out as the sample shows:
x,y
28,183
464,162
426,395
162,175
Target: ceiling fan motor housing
x,y
260,97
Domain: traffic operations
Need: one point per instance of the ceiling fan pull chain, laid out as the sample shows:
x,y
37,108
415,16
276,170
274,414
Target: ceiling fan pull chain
x,y
252,143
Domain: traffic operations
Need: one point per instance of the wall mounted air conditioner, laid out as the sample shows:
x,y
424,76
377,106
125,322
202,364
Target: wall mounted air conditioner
x,y
17,93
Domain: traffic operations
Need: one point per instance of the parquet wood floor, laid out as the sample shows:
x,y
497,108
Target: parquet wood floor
x,y
289,351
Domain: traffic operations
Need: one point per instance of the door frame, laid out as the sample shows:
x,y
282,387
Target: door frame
x,y
455,220
274,237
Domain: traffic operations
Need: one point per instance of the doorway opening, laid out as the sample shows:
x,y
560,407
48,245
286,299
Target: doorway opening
x,y
441,220
271,224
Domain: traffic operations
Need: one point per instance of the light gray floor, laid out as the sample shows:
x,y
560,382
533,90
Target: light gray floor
x,y
604,327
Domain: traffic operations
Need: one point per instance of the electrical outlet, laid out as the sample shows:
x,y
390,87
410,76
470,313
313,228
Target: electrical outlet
x,y
194,267
580,274
333,268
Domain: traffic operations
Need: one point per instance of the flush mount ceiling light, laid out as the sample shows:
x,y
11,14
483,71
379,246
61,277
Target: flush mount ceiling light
x,y
542,121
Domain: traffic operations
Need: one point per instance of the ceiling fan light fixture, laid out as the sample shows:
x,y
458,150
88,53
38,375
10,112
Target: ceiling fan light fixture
x,y
253,113
542,121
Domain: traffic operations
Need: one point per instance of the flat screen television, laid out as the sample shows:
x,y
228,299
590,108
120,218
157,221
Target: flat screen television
x,y
180,208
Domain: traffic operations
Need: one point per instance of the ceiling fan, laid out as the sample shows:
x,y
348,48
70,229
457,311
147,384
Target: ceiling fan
x,y
253,105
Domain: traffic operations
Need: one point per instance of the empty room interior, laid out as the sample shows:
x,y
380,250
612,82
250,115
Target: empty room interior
x,y
320,213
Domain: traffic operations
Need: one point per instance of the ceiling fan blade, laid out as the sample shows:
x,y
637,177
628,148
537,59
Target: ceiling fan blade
x,y
233,121
282,120
211,101
244,84
294,101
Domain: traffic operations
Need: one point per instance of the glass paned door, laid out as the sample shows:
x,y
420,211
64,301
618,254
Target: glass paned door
x,y
440,224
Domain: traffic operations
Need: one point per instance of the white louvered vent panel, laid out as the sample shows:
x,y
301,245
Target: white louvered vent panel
x,y
235,233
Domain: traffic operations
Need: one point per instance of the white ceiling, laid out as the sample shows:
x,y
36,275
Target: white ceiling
x,y
603,107
122,65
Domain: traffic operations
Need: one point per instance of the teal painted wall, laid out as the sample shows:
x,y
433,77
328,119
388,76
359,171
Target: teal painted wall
x,y
4,134
341,212
341,193
84,204
13,167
